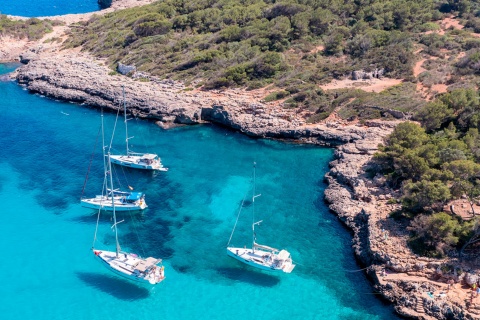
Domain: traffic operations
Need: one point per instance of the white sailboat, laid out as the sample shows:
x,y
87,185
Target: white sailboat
x,y
123,201
260,256
146,161
127,265
114,199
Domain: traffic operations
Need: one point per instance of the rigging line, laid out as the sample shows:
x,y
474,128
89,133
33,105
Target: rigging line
x,y
90,164
358,269
114,128
124,175
142,135
345,270
96,229
136,232
117,180
238,215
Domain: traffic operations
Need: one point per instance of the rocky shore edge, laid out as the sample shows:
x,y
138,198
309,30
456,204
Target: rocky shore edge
x,y
362,202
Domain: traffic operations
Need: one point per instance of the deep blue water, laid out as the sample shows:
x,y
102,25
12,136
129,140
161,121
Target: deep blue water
x,y
41,8
49,272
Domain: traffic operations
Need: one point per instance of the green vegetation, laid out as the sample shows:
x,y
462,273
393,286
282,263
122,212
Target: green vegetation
x,y
256,42
31,29
433,164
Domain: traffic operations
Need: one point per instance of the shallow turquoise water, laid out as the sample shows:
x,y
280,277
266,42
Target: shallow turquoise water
x,y
41,8
49,272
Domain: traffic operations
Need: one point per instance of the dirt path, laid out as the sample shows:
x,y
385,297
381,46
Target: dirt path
x,y
373,85
417,69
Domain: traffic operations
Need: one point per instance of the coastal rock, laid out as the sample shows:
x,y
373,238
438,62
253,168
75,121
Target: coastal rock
x,y
470,278
26,57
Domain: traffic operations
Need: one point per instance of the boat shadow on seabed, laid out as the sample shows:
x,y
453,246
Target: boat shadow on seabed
x,y
119,288
249,276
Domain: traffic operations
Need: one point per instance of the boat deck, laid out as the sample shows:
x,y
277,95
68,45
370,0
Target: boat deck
x,y
261,259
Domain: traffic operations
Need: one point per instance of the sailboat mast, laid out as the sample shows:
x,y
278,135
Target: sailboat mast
x,y
104,156
117,246
253,209
125,115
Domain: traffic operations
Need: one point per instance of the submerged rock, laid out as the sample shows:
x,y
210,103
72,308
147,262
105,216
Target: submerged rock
x,y
5,77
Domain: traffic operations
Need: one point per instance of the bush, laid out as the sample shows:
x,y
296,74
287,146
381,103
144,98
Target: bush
x,y
433,235
32,29
276,96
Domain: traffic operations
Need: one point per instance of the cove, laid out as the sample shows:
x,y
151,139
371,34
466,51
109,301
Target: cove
x,y
46,234
41,8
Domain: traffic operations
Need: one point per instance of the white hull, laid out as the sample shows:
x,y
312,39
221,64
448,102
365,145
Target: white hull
x,y
137,162
260,259
126,266
105,203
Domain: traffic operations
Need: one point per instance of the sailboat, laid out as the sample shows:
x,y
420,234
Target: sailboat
x,y
260,256
123,201
127,265
113,198
146,161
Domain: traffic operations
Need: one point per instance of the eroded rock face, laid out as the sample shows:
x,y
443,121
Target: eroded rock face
x,y
80,80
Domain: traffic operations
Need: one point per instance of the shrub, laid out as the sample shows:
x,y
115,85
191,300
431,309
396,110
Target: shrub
x,y
433,235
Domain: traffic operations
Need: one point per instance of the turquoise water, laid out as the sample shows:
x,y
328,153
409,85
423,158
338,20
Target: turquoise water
x,y
49,272
40,8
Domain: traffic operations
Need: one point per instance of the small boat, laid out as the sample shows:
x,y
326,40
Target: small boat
x,y
110,199
124,264
136,160
260,256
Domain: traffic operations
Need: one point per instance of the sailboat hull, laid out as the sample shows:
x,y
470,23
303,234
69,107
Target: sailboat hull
x,y
136,162
124,266
258,259
105,204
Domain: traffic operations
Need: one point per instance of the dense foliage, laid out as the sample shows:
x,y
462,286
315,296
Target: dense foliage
x,y
435,163
255,42
31,29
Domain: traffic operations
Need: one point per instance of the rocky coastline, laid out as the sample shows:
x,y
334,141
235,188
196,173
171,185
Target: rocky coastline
x,y
415,285
360,201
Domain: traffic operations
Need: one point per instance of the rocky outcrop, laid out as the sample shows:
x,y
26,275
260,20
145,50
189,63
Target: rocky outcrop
x,y
27,56
85,82
364,75
417,286
82,81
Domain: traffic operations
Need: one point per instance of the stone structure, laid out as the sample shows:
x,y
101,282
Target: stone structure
x,y
363,75
125,69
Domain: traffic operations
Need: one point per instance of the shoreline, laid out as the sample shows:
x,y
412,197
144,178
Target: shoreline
x,y
361,202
